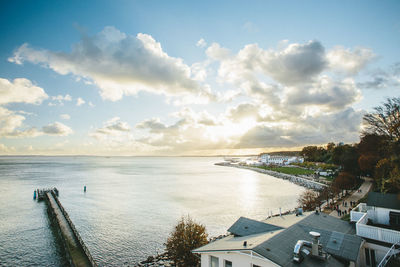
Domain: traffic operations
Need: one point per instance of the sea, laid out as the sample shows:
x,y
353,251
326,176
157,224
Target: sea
x,y
131,204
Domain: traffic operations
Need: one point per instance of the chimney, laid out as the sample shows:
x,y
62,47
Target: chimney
x,y
315,244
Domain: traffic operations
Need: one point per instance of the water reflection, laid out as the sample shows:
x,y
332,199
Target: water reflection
x,y
131,204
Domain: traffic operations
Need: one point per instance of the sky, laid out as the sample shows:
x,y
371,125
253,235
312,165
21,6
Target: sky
x,y
133,78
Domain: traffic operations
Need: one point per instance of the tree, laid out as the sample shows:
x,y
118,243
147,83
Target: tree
x,y
188,235
345,181
314,153
367,163
347,157
308,200
385,121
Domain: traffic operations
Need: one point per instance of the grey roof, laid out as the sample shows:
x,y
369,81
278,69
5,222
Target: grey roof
x,y
389,201
337,238
244,227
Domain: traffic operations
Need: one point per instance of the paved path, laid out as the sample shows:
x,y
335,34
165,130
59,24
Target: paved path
x,y
357,195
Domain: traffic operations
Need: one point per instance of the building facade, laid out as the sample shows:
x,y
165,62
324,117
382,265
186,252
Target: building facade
x,y
279,159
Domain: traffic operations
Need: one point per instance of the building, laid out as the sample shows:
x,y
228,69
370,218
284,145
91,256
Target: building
x,y
378,224
305,240
279,159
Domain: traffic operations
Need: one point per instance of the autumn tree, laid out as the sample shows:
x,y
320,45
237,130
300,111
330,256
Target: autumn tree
x,y
347,157
345,181
385,120
188,235
384,123
371,148
314,153
367,163
309,200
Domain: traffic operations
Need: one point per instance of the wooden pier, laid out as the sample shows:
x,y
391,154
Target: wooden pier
x,y
76,251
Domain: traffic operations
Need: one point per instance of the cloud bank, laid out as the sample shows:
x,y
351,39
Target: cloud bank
x,y
119,64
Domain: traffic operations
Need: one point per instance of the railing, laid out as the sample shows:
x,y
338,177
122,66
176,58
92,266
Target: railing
x,y
76,233
376,233
356,215
357,212
392,251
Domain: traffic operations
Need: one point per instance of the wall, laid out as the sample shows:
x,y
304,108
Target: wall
x,y
238,260
380,215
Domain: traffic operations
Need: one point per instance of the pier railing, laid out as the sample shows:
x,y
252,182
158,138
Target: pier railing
x,y
76,233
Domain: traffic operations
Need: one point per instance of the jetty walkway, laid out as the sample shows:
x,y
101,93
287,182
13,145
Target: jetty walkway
x,y
76,251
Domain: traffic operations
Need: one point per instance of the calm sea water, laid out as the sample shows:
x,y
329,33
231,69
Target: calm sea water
x,y
131,204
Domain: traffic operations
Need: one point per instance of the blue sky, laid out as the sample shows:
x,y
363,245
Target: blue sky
x,y
191,78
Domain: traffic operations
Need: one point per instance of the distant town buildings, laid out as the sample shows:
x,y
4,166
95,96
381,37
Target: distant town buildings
x,y
279,159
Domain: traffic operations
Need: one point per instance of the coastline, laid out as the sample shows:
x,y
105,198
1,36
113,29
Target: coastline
x,y
162,259
291,178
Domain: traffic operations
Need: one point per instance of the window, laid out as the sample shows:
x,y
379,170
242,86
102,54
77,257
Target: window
x,y
227,263
367,259
370,257
214,262
373,261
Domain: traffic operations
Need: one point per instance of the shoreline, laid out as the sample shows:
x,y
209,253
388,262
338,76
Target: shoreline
x,y
160,260
291,178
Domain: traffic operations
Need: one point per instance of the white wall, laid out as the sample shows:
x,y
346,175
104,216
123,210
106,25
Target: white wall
x,y
380,215
238,260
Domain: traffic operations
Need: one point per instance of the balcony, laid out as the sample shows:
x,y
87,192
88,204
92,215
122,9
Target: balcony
x,y
358,212
366,228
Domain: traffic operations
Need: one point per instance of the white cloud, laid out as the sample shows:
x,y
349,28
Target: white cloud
x,y
20,90
80,102
201,43
349,61
342,126
112,128
119,65
11,125
91,104
6,149
59,99
296,63
67,97
57,128
216,52
65,116
325,93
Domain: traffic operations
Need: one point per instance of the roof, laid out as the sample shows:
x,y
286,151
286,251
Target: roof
x,y
244,227
389,201
337,238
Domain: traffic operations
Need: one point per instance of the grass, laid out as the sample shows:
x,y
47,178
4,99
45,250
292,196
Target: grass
x,y
288,170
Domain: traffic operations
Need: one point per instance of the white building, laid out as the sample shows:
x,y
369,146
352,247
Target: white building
x,y
378,223
279,159
279,241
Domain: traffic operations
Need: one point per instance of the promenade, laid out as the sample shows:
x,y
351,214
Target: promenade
x,y
307,183
354,197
